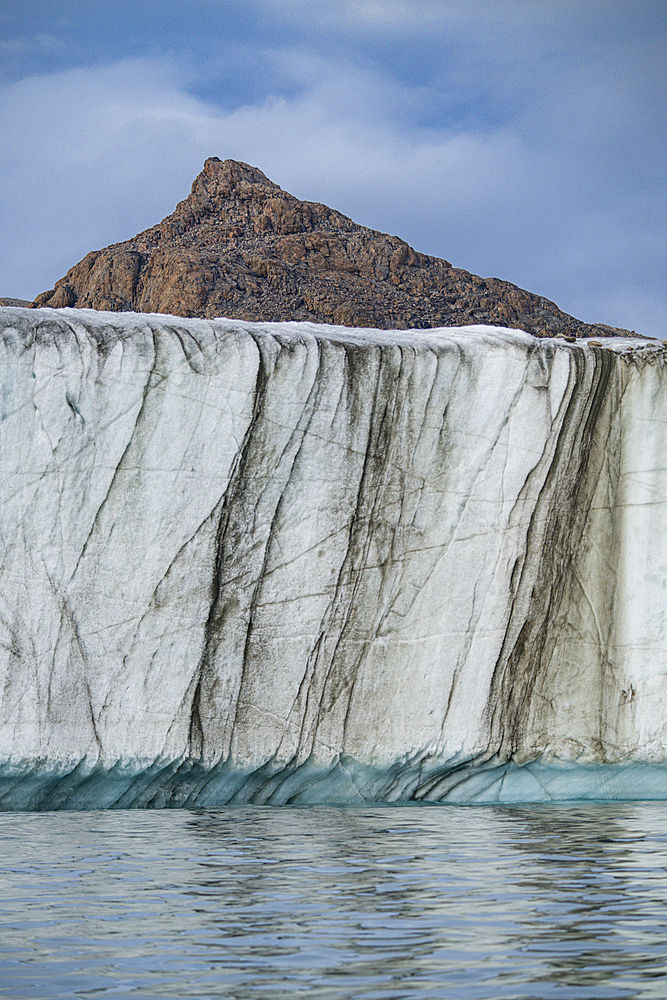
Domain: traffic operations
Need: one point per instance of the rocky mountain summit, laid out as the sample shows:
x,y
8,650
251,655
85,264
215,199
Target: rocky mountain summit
x,y
241,247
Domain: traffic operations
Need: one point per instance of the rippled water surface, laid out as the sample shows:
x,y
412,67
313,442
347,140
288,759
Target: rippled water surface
x,y
456,902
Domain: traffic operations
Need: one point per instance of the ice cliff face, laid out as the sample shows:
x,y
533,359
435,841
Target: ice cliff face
x,y
287,562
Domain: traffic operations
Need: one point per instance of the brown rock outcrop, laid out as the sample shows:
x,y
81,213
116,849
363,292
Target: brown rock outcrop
x,y
240,246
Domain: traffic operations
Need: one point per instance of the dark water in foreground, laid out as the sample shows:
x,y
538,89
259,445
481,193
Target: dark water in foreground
x,y
402,902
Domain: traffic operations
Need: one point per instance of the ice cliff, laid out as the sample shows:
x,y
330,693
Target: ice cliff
x,y
298,563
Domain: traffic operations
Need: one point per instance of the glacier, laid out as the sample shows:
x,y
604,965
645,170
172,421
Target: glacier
x,y
291,563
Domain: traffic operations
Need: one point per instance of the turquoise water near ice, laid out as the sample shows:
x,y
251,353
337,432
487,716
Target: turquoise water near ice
x,y
476,902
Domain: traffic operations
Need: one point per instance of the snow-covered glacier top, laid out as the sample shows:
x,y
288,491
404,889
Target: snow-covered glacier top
x,y
289,562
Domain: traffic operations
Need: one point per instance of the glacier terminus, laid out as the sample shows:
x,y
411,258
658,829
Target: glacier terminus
x,y
297,563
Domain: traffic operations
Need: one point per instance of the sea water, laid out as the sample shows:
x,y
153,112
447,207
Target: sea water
x,y
475,903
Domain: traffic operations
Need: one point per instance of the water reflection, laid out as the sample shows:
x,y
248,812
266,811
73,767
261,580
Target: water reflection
x,y
599,879
411,902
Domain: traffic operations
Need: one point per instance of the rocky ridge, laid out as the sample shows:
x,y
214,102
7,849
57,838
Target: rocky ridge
x,y
241,247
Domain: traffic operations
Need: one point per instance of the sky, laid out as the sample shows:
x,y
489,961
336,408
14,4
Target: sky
x,y
519,139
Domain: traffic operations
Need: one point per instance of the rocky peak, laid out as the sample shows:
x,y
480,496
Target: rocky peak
x,y
224,184
240,246
231,194
233,172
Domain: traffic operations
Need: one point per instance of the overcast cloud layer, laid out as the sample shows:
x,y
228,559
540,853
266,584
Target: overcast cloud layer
x,y
511,138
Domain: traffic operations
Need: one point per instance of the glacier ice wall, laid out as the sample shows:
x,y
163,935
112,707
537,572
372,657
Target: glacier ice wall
x,y
299,563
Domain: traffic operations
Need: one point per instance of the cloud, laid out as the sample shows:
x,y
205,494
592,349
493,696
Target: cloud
x,y
541,163
411,17
41,42
89,152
